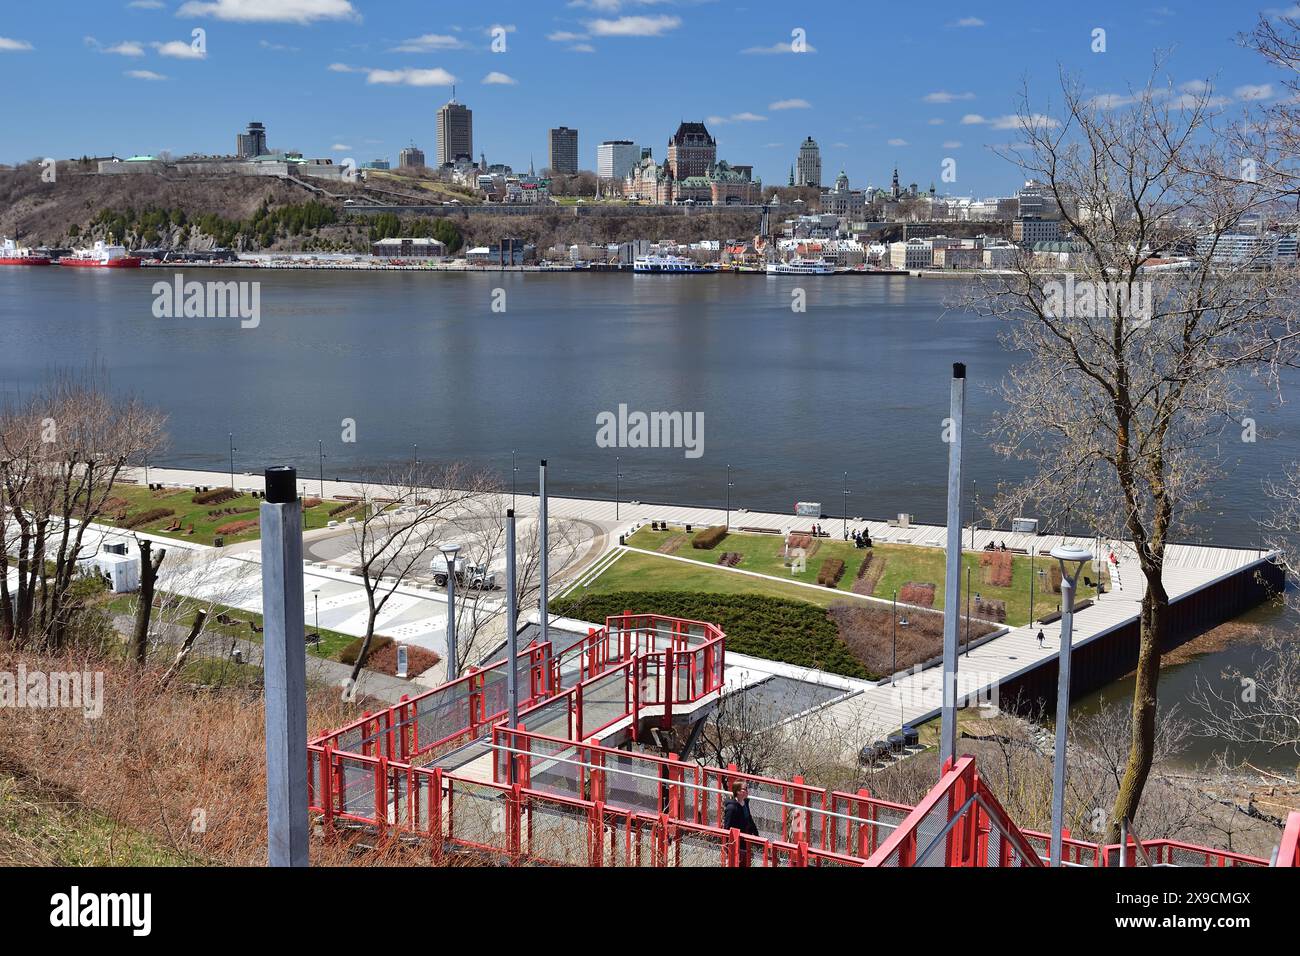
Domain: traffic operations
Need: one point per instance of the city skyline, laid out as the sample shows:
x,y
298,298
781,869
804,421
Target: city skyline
x,y
347,78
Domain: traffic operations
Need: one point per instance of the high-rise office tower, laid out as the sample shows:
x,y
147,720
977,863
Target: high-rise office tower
x,y
455,131
564,150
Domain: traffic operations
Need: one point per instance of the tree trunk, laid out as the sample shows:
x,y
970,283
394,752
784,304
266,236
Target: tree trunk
x,y
183,654
149,565
1142,743
363,653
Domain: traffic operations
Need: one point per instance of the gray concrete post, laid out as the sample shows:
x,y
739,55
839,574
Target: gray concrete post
x,y
952,574
512,639
284,669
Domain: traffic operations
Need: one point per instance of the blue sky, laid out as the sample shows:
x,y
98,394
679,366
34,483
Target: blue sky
x,y
879,84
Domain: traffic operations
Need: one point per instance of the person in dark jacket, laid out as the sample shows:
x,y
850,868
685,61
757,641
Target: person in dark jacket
x,y
736,816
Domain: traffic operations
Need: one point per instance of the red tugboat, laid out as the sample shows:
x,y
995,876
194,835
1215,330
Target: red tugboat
x,y
103,255
11,254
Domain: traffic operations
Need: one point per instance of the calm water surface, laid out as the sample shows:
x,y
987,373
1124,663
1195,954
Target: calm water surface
x,y
857,383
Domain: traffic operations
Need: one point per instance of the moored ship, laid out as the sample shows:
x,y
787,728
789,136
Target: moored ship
x,y
668,265
102,255
12,254
801,267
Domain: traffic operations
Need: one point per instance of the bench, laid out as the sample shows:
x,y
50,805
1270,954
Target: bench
x,y
753,530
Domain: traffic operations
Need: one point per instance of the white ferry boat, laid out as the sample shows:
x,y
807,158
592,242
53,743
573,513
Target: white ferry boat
x,y
668,265
801,267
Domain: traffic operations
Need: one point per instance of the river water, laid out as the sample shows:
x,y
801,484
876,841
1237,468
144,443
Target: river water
x,y
470,366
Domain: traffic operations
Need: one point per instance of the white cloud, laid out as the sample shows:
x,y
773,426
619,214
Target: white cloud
x,y
565,36
967,22
634,26
341,148
582,48
1014,121
736,118
13,46
344,68
783,47
146,4
898,142
126,48
943,96
499,79
792,104
934,122
972,119
434,77
278,47
952,144
428,42
1253,91
145,75
180,50
270,11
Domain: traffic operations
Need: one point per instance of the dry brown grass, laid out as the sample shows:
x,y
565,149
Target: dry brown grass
x,y
867,629
155,757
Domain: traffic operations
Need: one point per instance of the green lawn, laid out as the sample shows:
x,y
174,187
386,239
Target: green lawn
x,y
647,572
140,499
763,554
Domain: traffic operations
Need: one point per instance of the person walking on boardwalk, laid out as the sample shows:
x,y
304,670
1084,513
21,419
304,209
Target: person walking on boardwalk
x,y
736,816
1041,635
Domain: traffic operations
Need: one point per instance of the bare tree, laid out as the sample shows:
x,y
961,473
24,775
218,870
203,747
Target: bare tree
x,y
480,613
1130,372
149,564
1263,707
398,527
61,452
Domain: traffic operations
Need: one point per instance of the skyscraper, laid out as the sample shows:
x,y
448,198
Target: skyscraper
x,y
615,158
251,143
455,131
810,164
564,150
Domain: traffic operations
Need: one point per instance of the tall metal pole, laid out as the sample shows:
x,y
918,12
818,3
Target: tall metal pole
x,y
1075,556
968,609
618,475
846,506
284,665
453,664
514,478
952,579
232,461
974,511
320,451
728,524
543,602
894,671
1031,582
512,640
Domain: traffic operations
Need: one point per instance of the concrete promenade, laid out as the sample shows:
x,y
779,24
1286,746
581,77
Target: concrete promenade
x,y
869,710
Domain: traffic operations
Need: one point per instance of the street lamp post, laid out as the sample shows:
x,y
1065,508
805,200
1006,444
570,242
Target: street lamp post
x,y
320,451
618,477
233,449
974,512
315,600
1031,582
846,505
968,609
728,525
894,672
449,553
416,450
1071,560
514,478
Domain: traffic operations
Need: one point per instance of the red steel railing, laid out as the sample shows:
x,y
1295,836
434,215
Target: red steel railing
x,y
576,802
